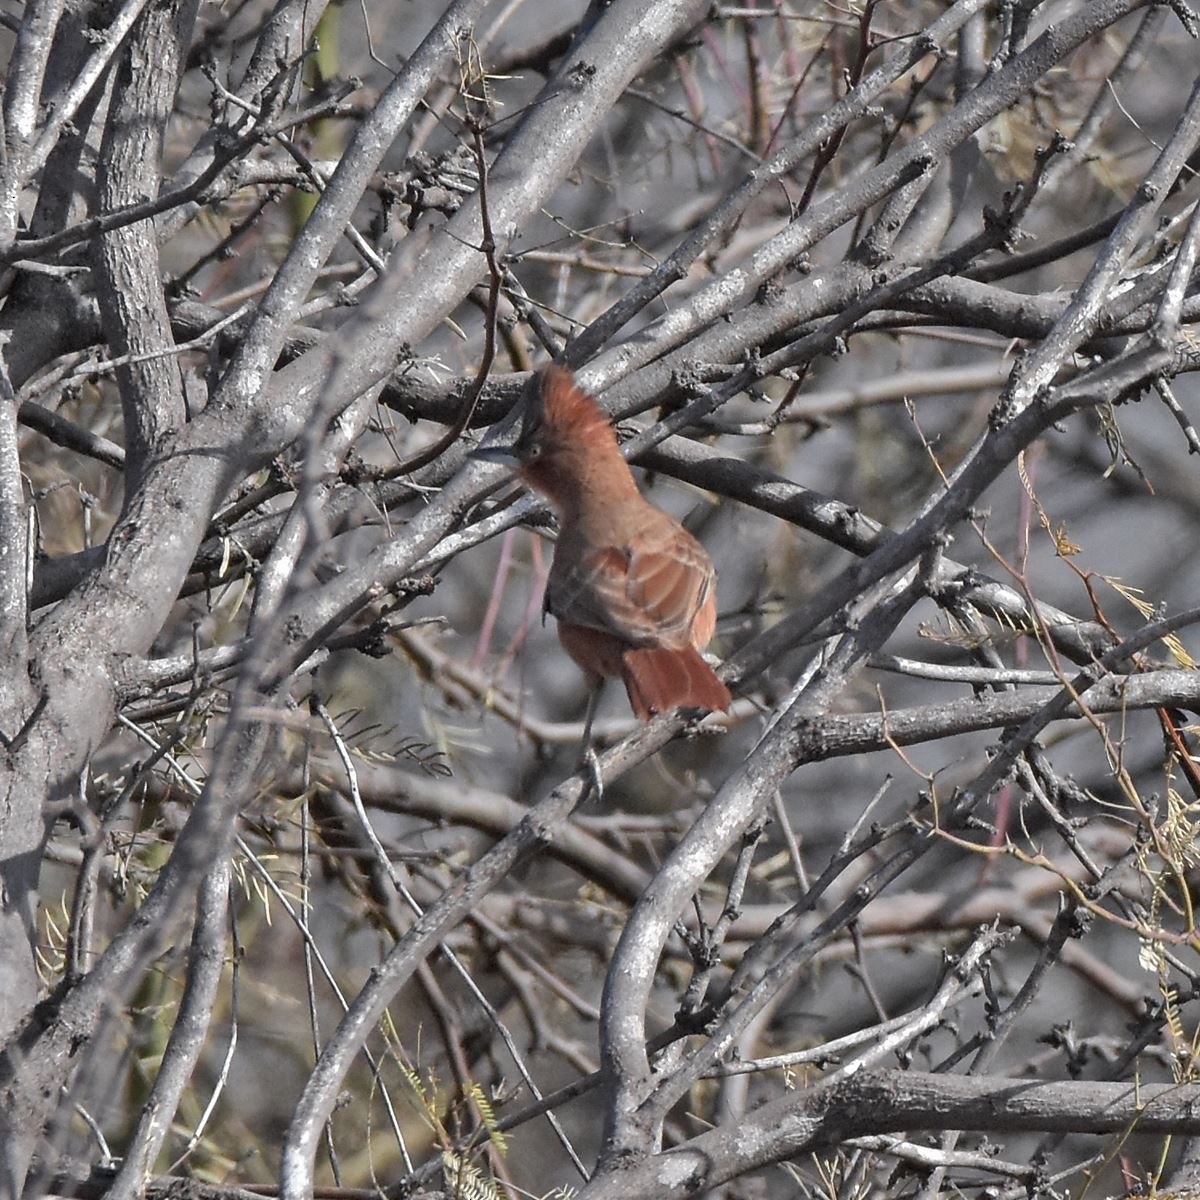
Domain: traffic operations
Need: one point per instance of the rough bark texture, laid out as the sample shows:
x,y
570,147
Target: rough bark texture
x,y
301,880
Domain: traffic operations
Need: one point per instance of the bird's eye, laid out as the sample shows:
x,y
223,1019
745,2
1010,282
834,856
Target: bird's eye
x,y
533,452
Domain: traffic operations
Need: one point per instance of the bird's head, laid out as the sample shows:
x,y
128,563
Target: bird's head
x,y
564,433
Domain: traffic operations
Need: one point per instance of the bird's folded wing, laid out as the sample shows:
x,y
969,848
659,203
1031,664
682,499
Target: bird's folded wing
x,y
645,595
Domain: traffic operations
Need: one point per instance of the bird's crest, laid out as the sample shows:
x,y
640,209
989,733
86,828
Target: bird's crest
x,y
567,408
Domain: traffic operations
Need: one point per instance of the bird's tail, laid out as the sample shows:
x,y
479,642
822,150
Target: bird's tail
x,y
660,680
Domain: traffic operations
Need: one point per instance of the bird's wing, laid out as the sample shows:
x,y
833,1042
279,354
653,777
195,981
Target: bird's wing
x,y
648,593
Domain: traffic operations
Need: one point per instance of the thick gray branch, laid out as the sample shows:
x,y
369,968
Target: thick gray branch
x,y
129,279
806,1120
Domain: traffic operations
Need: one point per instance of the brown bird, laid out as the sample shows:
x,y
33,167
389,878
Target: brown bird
x,y
634,593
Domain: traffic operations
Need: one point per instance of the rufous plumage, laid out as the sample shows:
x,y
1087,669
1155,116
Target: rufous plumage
x,y
633,592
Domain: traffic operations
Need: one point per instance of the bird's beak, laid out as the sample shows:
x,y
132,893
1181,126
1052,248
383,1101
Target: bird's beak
x,y
507,455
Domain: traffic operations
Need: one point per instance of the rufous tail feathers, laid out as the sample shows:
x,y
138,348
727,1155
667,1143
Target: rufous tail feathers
x,y
658,681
